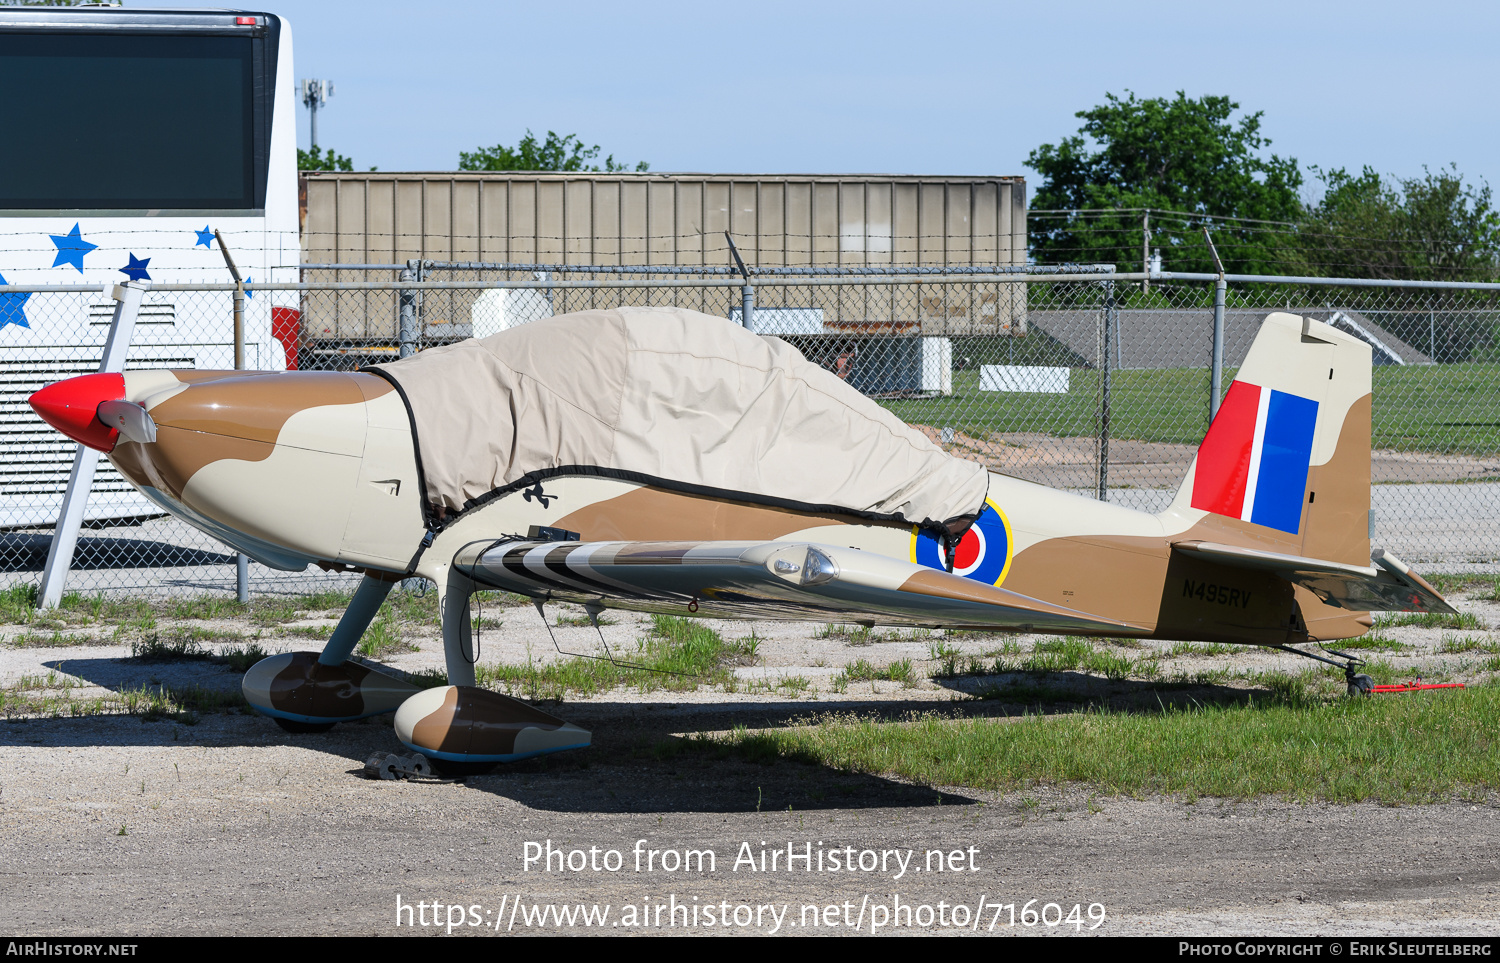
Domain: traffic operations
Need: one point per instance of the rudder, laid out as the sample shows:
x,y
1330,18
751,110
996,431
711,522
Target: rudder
x,y
1286,463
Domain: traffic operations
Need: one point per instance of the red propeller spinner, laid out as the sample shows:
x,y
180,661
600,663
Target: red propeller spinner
x,y
72,407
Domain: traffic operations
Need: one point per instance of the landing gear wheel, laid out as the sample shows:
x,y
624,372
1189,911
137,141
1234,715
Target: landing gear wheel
x,y
302,728
1361,685
458,770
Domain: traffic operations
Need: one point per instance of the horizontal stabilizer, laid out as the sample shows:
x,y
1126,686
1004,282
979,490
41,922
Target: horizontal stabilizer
x,y
788,580
1389,586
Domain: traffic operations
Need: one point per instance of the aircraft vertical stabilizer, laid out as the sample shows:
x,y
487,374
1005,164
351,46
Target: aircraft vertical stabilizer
x,y
1285,465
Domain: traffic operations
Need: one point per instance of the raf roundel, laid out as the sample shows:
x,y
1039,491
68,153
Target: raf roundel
x,y
983,554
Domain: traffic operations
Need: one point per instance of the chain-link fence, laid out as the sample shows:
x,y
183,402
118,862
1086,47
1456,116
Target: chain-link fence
x,y
1093,382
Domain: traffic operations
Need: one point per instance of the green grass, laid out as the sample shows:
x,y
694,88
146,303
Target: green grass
x,y
1377,643
1165,404
37,681
49,697
384,636
1066,654
677,654
1430,620
205,607
749,646
582,621
862,671
267,611
53,639
865,635
1447,583
1467,643
187,647
1414,748
850,634
940,651
177,704
1435,408
172,649
1200,648
17,604
239,658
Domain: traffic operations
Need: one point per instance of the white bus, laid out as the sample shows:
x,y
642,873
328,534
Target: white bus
x,y
130,136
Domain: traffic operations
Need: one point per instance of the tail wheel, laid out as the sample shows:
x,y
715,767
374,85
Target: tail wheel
x,y
1361,685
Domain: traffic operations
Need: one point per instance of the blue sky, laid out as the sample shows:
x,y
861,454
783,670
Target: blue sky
x,y
878,87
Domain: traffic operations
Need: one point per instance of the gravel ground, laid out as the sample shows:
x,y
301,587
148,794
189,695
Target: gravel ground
x,y
114,825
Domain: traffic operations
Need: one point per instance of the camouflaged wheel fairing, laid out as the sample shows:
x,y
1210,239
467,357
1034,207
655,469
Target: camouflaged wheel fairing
x,y
467,724
297,687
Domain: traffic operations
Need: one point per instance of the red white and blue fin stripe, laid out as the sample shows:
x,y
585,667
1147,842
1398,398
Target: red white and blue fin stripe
x,y
1253,464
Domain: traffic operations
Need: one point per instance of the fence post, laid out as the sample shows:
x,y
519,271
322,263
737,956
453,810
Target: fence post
x,y
1216,364
1109,325
1216,376
407,334
747,292
1146,251
241,561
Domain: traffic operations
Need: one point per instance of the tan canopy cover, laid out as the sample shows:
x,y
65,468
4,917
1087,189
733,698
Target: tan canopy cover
x,y
674,396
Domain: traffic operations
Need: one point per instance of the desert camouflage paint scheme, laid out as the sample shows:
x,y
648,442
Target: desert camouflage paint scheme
x,y
296,687
1266,542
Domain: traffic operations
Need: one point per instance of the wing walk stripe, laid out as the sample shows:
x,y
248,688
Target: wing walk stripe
x,y
557,561
515,565
600,572
518,562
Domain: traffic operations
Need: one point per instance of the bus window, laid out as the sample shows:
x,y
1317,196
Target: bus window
x,y
127,122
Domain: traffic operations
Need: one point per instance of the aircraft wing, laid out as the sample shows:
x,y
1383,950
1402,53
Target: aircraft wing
x,y
1389,586
787,580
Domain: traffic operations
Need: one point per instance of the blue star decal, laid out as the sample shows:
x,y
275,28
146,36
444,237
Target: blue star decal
x,y
136,269
205,237
13,308
71,247
249,293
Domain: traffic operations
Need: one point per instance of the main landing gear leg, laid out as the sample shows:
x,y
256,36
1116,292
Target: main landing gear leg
x,y
346,635
362,609
1359,683
311,692
458,633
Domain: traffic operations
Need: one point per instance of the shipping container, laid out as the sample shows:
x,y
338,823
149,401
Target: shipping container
x,y
621,219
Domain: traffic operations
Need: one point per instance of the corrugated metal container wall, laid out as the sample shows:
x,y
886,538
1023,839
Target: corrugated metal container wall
x,y
679,219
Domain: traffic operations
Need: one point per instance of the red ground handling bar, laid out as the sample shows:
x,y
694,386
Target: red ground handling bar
x,y
1416,686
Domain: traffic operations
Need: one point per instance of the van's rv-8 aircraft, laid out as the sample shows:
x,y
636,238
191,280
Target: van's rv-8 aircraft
x,y
662,460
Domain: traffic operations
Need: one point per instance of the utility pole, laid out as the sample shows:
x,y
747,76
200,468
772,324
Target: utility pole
x,y
315,94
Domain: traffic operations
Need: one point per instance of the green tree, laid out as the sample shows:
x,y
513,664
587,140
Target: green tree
x,y
1429,228
1177,154
554,154
318,159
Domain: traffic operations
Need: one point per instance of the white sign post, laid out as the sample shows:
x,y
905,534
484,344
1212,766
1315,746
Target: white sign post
x,y
127,298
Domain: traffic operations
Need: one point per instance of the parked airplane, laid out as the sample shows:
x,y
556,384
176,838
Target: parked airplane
x,y
667,461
